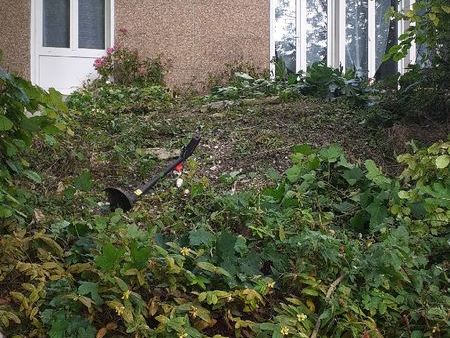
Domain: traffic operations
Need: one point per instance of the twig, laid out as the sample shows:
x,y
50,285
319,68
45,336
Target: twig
x,y
330,292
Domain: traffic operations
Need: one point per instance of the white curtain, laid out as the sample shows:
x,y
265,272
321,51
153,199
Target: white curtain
x,y
356,48
56,23
91,24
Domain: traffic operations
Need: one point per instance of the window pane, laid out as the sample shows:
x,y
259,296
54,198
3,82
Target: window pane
x,y
356,49
91,24
386,37
285,32
56,23
316,32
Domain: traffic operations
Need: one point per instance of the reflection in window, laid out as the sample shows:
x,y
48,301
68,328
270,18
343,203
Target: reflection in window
x,y
356,49
285,33
316,32
91,24
56,23
423,57
386,37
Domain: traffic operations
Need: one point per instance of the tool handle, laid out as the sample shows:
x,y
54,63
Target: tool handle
x,y
190,148
186,152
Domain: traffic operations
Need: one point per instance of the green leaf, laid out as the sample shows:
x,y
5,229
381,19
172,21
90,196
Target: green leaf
x,y
32,175
200,237
243,76
310,292
225,244
293,173
443,161
89,288
378,213
353,175
375,174
360,220
110,257
5,123
241,245
304,149
139,256
417,334
213,269
84,181
332,153
404,195
5,212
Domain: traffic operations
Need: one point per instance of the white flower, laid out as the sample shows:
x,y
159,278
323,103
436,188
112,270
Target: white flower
x,y
179,182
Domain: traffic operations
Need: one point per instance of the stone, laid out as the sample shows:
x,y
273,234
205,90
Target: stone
x,y
162,153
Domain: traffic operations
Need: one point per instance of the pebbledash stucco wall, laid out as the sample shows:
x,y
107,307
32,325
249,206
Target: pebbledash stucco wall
x,y
198,36
15,17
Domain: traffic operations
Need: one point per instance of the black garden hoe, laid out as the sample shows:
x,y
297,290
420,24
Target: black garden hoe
x,y
119,198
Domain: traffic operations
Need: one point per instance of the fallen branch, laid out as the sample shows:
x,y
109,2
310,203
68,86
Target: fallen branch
x,y
330,292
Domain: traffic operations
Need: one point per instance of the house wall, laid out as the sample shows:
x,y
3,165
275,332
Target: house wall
x,y
198,36
15,17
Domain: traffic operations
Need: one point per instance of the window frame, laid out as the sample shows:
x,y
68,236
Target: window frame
x,y
337,36
73,50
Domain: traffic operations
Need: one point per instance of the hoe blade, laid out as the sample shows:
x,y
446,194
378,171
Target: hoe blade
x,y
119,198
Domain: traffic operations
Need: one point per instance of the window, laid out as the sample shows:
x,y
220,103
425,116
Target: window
x,y
56,22
353,34
91,24
316,31
286,33
75,24
357,37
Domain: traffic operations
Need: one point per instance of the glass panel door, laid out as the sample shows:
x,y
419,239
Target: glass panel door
x,y
285,34
56,23
386,36
316,31
356,35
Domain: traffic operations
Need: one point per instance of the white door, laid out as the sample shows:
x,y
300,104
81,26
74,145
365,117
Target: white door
x,y
68,36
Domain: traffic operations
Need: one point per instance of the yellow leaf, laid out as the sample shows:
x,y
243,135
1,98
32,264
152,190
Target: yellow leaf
x,y
131,272
141,278
102,332
34,312
78,268
50,265
85,301
28,287
409,13
50,242
311,305
111,326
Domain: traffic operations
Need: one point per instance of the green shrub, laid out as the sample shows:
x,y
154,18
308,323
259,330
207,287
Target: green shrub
x,y
331,249
116,99
319,81
124,67
26,112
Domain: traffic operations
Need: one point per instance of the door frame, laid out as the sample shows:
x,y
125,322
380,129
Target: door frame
x,y
37,49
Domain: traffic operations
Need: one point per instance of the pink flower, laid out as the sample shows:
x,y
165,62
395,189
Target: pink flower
x,y
99,63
